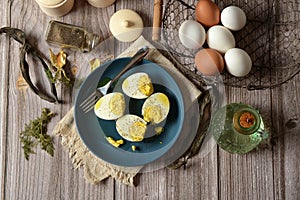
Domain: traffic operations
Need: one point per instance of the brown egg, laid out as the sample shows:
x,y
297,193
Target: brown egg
x,y
209,62
207,13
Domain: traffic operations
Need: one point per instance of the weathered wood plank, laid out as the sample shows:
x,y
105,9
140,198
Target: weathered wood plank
x,y
24,180
285,104
248,176
265,174
198,181
44,177
4,55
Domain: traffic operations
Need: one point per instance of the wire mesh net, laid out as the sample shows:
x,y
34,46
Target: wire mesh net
x,y
271,37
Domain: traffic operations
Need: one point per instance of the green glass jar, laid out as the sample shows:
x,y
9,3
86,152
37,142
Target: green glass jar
x,y
238,128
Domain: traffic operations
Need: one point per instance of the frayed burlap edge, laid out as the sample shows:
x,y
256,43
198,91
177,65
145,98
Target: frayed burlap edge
x,y
95,170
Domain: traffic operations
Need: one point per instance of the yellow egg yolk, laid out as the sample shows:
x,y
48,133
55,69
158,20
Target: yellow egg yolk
x,y
152,114
114,142
137,131
126,83
98,104
145,85
163,99
159,130
116,104
133,148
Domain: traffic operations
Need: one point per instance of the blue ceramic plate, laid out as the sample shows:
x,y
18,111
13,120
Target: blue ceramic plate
x,y
93,131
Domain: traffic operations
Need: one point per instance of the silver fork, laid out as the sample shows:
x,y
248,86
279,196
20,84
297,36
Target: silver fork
x,y
90,101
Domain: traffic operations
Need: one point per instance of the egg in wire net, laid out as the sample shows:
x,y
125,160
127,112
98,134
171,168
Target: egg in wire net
x,y
271,37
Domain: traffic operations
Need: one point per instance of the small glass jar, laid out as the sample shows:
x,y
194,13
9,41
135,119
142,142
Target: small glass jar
x,y
56,8
71,36
238,128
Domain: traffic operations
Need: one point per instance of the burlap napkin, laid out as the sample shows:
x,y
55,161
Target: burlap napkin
x,y
95,169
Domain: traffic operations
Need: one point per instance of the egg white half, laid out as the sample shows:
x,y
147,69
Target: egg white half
x,y
131,127
110,106
156,108
138,86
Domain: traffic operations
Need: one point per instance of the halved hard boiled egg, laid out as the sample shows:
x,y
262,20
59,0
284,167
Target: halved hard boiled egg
x,y
138,86
156,108
131,127
110,106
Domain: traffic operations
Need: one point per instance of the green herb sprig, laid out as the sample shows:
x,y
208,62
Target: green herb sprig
x,y
36,133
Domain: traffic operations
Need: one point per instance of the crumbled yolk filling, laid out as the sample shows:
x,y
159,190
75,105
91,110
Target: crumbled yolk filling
x,y
115,143
137,131
152,114
117,104
145,85
133,148
159,130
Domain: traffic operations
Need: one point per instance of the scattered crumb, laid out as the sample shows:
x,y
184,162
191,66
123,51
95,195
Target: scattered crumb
x,y
133,148
159,130
94,63
115,143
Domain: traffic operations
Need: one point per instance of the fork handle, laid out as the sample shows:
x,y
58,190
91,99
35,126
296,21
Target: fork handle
x,y
138,56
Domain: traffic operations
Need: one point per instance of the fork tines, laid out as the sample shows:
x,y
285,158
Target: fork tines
x,y
88,103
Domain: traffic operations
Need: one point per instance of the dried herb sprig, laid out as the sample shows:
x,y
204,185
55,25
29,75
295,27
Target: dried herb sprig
x,y
58,63
36,133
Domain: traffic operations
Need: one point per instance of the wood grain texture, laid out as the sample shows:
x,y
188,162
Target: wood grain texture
x,y
4,60
44,177
269,173
247,176
285,102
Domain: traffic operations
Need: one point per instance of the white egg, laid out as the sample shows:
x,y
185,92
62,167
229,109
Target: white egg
x,y
238,62
131,127
220,38
138,86
156,108
233,18
110,106
192,34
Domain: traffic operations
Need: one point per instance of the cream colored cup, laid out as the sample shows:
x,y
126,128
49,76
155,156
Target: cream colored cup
x,y
101,3
55,8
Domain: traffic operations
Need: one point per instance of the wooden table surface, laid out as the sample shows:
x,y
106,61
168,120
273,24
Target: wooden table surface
x,y
271,173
